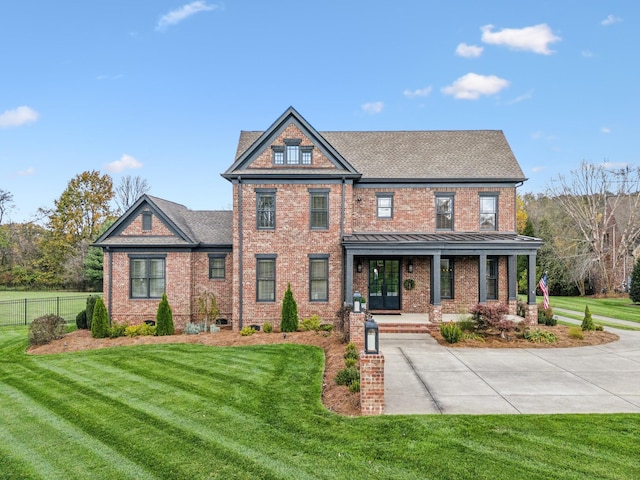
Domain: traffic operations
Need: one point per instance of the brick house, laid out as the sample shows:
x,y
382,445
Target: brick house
x,y
415,221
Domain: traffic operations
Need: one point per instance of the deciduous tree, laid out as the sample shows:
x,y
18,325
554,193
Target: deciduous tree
x,y
604,207
128,191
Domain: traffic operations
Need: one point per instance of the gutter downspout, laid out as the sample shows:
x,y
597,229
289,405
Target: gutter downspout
x,y
240,269
342,219
110,286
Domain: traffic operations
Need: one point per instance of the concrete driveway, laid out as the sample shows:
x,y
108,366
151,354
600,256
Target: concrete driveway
x,y
422,376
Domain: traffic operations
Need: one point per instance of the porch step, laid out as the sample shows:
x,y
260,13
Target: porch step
x,y
399,327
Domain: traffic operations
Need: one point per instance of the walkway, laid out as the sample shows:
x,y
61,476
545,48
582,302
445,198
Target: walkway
x,y
422,376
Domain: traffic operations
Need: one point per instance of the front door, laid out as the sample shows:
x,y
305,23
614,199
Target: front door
x,y
384,284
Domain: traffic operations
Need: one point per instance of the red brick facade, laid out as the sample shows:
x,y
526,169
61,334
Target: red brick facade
x,y
292,242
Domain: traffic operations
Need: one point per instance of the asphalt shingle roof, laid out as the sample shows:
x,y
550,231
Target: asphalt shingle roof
x,y
437,155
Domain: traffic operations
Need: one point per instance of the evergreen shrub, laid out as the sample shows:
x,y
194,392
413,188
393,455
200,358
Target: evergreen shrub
x,y
100,319
289,318
634,286
267,327
164,317
81,320
587,321
576,332
91,303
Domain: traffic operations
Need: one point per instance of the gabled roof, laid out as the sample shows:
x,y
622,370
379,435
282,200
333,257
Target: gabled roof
x,y
379,156
255,143
190,227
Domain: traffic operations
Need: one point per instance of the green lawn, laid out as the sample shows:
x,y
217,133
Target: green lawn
x,y
191,411
620,308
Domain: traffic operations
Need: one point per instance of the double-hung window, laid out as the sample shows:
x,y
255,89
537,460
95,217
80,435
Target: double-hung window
x,y
488,212
444,211
266,278
266,209
384,203
319,209
446,277
492,278
147,276
318,278
217,266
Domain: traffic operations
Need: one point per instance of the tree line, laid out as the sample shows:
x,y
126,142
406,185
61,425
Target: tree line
x,y
54,251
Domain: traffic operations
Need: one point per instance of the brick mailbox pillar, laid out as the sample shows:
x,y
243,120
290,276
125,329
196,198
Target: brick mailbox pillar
x,y
371,384
532,314
356,329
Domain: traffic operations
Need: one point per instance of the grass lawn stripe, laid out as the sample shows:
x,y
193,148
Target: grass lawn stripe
x,y
284,432
186,397
58,439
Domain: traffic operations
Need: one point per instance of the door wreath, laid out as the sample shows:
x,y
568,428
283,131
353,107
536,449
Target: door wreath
x,y
409,284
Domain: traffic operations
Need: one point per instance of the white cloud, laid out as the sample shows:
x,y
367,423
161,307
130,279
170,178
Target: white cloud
x,y
372,108
179,14
521,98
27,172
535,39
538,169
420,92
126,162
614,165
586,53
605,130
469,51
610,20
471,86
17,117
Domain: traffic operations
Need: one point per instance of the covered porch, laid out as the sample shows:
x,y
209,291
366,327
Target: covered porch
x,y
430,278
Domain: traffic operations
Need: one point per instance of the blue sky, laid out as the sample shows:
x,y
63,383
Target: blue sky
x,y
161,89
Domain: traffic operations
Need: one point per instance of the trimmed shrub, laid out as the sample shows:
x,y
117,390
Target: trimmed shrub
x,y
451,332
347,376
545,316
91,304
576,332
117,330
350,362
267,327
326,327
100,319
164,317
45,329
351,351
587,321
599,328
354,387
141,330
81,320
247,331
466,324
289,318
312,323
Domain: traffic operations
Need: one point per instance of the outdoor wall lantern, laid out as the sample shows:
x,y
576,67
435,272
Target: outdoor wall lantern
x,y
371,337
410,266
359,266
357,305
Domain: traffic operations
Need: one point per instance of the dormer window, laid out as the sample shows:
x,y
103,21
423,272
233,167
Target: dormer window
x,y
292,153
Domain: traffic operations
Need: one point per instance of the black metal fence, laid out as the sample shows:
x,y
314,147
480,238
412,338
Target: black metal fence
x,y
24,311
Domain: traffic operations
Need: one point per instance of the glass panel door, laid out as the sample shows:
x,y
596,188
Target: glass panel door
x,y
384,284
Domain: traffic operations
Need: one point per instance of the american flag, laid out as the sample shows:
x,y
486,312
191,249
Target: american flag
x,y
544,288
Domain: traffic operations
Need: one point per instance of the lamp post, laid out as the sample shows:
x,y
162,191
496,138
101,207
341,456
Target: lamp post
x,y
356,302
371,336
